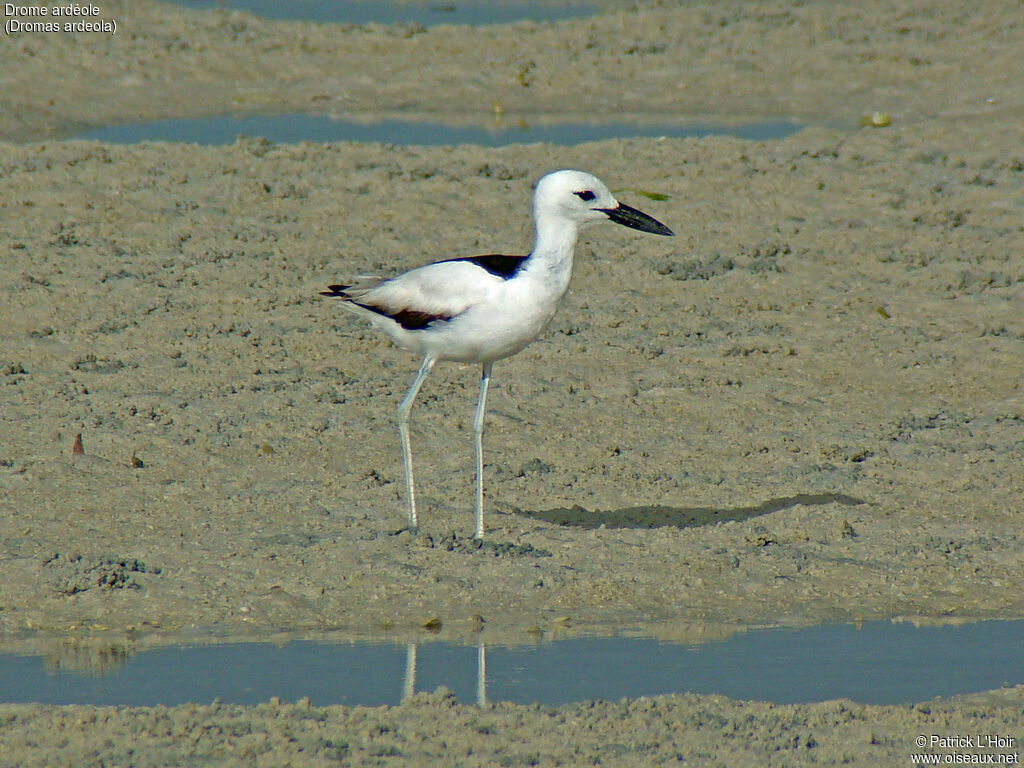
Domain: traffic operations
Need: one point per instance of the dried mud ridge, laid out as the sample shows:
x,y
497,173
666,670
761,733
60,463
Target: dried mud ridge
x,y
453,542
76,573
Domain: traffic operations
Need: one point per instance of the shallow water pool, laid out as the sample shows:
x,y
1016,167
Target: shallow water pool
x,y
875,663
295,127
430,13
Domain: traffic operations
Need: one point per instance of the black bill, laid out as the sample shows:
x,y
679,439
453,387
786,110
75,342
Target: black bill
x,y
634,219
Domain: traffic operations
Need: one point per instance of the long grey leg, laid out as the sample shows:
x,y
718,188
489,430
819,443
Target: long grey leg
x,y
478,441
403,431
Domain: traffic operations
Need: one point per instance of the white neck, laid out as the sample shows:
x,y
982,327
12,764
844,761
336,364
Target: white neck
x,y
555,240
550,263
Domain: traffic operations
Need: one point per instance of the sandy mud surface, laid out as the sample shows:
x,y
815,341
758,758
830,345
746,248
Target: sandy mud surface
x,y
806,407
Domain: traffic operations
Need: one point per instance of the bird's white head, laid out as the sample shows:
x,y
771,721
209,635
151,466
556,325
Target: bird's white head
x,y
577,198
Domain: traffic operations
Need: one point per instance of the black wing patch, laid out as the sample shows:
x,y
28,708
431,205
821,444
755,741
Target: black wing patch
x,y
410,319
497,264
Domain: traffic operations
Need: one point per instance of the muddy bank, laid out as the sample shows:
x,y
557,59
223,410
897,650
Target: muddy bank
x,y
435,727
805,407
731,61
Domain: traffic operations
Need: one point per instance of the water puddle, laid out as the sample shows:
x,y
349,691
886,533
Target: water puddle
x,y
476,12
875,663
225,129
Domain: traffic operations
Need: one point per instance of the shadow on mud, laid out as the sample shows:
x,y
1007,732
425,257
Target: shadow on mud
x,y
679,517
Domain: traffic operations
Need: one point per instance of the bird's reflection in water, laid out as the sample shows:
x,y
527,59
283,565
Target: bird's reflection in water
x,y
409,682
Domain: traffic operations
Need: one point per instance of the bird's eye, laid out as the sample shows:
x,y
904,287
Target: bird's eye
x,y
585,195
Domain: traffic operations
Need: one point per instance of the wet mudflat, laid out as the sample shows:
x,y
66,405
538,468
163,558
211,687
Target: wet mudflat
x,y
806,408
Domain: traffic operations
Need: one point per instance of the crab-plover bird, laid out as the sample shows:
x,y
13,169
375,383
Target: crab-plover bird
x,y
480,309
